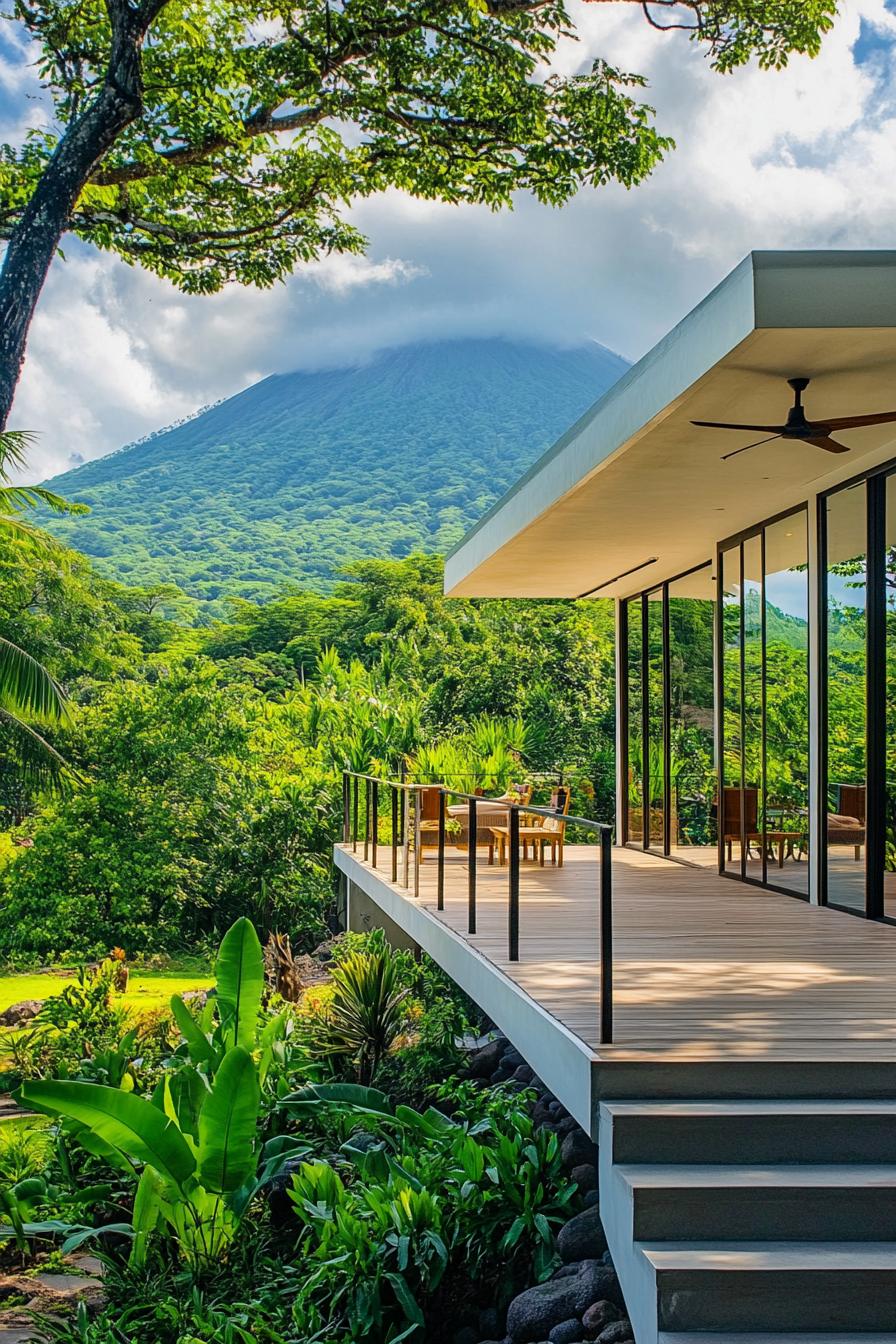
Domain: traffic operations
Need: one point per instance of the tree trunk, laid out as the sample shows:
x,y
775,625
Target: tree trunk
x,y
47,215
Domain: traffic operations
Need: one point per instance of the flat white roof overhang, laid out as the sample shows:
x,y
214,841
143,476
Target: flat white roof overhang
x,y
634,481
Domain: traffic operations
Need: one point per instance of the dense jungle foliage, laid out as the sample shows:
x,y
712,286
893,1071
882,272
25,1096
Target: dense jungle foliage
x,y
206,760
322,468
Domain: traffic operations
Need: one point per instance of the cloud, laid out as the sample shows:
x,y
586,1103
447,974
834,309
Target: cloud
x,y
800,158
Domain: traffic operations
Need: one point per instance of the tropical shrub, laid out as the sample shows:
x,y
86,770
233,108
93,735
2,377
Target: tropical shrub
x,y
366,1010
431,1197
196,1140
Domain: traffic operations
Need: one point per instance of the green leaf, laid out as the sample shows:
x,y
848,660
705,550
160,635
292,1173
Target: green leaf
x,y
227,1124
350,1095
146,1215
406,1299
125,1121
239,971
197,1042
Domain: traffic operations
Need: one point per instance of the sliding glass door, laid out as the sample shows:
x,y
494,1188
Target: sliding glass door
x,y
668,735
764,653
857,537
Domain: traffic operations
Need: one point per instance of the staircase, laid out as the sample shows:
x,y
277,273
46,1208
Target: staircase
x,y
746,1222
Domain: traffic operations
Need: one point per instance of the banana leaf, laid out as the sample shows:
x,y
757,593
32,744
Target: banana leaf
x,y
227,1124
239,971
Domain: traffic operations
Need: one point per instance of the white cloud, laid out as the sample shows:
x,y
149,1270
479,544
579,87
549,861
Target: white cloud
x,y
800,158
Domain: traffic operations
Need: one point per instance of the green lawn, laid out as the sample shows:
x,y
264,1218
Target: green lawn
x,y
146,989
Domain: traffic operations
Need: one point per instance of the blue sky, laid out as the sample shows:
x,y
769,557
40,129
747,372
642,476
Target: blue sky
x,y
803,158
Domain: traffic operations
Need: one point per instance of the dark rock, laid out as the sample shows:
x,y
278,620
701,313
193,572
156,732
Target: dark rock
x,y
565,1271
17,1013
482,1063
591,1198
512,1059
616,1333
556,1109
523,1074
577,1148
582,1238
567,1332
598,1316
608,1259
280,1206
533,1314
585,1177
567,1125
466,1336
491,1322
364,1141
540,1115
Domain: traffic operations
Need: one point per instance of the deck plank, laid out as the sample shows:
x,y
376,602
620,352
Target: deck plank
x,y
705,969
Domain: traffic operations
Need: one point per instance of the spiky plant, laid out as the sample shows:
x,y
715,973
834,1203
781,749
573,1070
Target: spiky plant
x,y
366,1012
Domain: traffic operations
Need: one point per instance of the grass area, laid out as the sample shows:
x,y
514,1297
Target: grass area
x,y
146,989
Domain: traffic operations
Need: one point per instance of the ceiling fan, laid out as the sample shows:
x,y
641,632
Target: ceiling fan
x,y
817,433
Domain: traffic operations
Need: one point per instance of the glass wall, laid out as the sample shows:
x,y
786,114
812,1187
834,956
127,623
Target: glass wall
x,y
635,710
786,712
846,600
692,771
669,661
655,761
765,706
730,802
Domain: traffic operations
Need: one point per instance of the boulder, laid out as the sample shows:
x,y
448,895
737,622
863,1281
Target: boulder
x,y
466,1336
598,1316
512,1059
567,1332
523,1074
482,1063
582,1238
591,1198
17,1013
577,1149
616,1333
533,1314
585,1177
567,1125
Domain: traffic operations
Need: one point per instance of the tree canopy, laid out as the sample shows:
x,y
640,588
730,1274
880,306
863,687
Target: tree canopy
x,y
222,140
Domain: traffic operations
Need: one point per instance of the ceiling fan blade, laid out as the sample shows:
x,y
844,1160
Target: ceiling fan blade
x,y
749,446
758,429
857,421
828,444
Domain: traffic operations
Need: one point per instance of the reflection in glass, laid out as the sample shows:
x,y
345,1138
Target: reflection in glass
x,y
732,757
890,805
846,640
693,831
787,703
753,802
655,736
635,712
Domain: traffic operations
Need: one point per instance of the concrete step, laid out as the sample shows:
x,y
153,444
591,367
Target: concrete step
x,y
839,1203
755,1287
754,1131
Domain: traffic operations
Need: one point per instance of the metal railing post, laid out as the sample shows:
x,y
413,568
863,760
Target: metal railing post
x,y
346,807
375,820
416,843
394,798
471,866
606,939
355,824
513,914
440,875
366,817
405,838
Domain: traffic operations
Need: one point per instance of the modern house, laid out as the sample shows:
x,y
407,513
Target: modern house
x,y
735,495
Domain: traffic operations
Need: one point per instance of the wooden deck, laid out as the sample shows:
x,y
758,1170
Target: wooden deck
x,y
706,969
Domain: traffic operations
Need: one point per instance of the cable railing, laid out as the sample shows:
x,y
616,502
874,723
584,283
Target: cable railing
x,y
416,817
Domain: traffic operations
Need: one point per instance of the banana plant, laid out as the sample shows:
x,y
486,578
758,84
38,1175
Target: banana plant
x,y
195,1142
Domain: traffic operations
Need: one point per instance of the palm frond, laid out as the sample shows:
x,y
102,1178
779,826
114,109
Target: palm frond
x,y
13,446
36,762
15,498
27,688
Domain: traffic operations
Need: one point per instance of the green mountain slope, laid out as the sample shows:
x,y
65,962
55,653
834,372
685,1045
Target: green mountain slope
x,y
303,472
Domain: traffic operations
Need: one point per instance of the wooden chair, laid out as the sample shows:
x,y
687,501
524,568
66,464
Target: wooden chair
x,y
493,812
539,831
731,818
846,826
